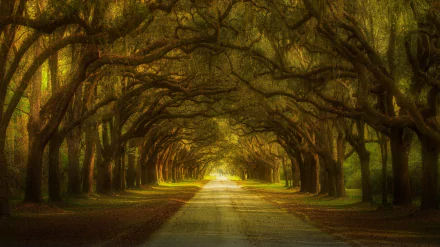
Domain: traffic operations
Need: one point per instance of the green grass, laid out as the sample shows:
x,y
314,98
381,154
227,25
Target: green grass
x,y
184,183
275,187
353,196
233,178
128,198
210,177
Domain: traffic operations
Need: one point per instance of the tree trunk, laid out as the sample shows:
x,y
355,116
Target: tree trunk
x,y
271,175
151,171
142,163
89,159
144,173
20,142
4,188
131,159
139,163
175,173
104,180
339,171
399,153
324,189
160,167
295,173
6,9
55,141
73,171
54,168
117,170
314,175
123,160
74,142
302,173
183,173
430,186
167,167
243,174
286,175
138,166
34,170
331,183
364,157
384,155
36,143
276,173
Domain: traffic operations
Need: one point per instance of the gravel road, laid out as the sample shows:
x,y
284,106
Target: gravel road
x,y
223,214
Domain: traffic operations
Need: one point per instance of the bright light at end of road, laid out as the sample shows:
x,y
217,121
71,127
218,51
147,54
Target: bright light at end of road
x,y
220,183
221,177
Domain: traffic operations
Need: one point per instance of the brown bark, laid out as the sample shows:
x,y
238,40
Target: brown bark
x,y
430,185
52,113
243,174
89,159
324,188
104,179
151,168
384,155
123,181
117,169
331,182
339,171
313,174
73,144
55,141
4,188
358,144
148,167
302,172
8,36
276,173
34,169
174,173
367,194
36,144
116,149
20,142
143,167
139,165
287,176
400,152
54,168
295,172
73,170
131,159
7,40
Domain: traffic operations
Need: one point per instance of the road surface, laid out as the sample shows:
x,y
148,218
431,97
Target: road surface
x,y
223,214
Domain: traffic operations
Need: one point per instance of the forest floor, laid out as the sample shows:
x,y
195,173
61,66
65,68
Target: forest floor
x,y
358,223
126,219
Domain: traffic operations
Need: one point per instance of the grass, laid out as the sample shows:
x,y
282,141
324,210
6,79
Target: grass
x,y
125,218
352,195
351,220
233,178
210,177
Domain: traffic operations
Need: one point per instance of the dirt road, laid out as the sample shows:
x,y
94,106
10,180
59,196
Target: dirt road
x,y
223,214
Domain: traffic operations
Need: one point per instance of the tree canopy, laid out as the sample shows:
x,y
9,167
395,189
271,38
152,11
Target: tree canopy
x,y
104,95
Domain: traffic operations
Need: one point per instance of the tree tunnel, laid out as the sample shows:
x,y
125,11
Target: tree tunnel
x,y
101,96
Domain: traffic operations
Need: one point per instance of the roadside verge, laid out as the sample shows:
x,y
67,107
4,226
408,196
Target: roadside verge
x,y
357,223
126,218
